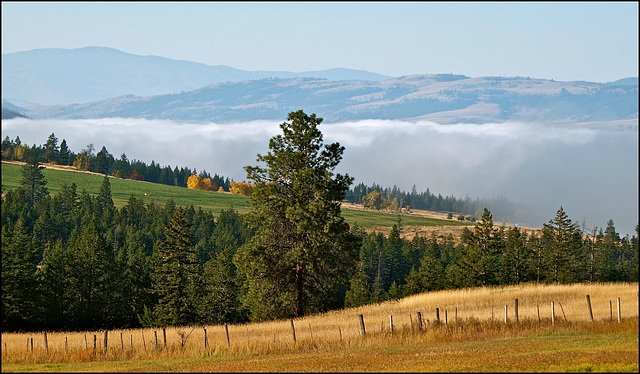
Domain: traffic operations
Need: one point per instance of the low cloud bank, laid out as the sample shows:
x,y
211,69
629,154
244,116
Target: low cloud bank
x,y
591,173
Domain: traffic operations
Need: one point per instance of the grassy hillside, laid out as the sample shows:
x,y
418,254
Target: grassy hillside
x,y
472,336
122,189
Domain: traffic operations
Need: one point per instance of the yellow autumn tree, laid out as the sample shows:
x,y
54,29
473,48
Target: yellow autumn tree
x,y
221,189
240,188
207,185
195,182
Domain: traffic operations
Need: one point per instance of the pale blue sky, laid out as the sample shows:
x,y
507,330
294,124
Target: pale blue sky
x,y
563,41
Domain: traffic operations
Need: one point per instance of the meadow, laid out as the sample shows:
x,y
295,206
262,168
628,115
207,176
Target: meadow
x,y
472,334
122,189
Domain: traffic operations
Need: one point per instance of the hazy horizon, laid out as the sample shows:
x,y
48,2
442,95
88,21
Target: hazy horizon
x,y
591,173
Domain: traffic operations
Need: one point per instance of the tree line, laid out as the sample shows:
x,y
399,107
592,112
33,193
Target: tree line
x,y
394,200
104,162
74,261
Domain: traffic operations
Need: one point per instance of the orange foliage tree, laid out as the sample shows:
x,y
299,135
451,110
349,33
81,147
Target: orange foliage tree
x,y
240,188
194,182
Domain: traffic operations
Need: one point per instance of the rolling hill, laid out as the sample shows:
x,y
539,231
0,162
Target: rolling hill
x,y
96,82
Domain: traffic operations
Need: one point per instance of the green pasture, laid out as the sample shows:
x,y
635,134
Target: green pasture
x,y
122,189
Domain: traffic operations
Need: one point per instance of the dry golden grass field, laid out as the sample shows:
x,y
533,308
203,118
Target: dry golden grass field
x,y
472,336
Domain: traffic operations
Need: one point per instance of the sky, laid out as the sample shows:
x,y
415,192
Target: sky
x,y
592,41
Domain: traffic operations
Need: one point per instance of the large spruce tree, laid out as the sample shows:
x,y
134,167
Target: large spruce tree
x,y
303,249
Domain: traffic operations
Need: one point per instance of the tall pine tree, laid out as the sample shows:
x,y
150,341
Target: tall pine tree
x,y
303,249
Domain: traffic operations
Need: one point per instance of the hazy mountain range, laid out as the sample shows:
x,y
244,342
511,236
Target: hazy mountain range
x,y
96,82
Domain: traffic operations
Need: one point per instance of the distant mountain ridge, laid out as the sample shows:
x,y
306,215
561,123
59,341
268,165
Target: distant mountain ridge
x,y
247,96
67,76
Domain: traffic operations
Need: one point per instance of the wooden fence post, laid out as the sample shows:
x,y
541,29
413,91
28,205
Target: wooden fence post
x,y
446,322
206,341
121,341
437,316
155,334
164,336
95,343
131,341
31,344
553,313
419,321
610,311
66,345
340,332
538,307
86,345
391,323
144,342
363,331
619,311
105,339
506,318
226,332
293,331
456,314
589,305
516,310
46,343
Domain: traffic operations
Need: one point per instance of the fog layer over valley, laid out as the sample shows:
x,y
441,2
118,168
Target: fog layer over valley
x,y
591,173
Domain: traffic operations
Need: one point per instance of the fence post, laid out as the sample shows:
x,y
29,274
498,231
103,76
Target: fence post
x,y
226,332
310,332
164,336
155,334
419,321
121,341
46,343
391,323
610,311
553,313
247,328
589,305
506,319
131,341
619,311
538,307
95,343
293,331
363,331
86,345
340,332
516,310
206,341
456,314
31,344
144,342
446,318
105,340
437,316
66,345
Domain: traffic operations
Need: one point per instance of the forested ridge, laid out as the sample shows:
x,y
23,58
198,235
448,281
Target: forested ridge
x,y
73,261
